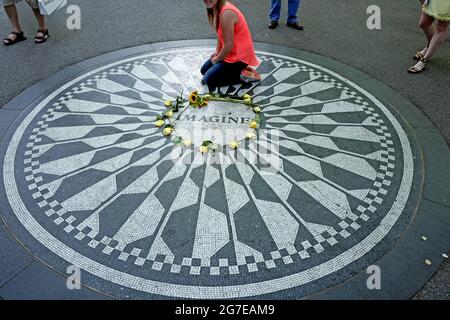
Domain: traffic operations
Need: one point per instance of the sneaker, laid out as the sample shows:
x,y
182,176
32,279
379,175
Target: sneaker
x,y
295,25
273,24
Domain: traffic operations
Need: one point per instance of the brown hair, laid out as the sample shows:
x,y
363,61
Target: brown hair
x,y
214,19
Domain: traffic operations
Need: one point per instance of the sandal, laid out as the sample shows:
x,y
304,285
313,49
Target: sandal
x,y
19,37
415,69
419,55
43,38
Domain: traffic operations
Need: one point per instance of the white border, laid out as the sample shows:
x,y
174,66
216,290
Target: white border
x,y
203,292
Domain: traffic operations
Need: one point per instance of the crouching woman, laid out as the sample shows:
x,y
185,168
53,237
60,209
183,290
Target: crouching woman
x,y
234,52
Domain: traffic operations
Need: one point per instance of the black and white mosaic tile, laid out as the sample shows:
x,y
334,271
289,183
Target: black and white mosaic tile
x,y
91,179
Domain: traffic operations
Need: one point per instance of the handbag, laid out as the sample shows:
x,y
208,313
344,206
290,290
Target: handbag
x,y
47,7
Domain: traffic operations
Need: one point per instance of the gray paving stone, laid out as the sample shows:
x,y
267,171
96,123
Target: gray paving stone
x,y
7,117
403,270
349,290
13,257
38,282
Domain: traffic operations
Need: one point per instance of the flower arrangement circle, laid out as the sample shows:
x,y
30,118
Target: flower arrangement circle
x,y
198,101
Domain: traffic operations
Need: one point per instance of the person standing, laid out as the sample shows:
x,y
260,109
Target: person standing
x,y
234,51
432,10
292,20
17,35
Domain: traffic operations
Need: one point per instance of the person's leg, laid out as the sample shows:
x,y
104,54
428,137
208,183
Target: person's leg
x,y
206,66
42,34
275,10
426,24
293,6
11,12
439,37
40,19
212,77
222,74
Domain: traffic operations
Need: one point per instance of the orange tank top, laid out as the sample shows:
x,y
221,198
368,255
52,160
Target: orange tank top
x,y
243,49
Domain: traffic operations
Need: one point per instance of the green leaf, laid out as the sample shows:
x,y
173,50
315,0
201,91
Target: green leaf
x,y
177,140
207,143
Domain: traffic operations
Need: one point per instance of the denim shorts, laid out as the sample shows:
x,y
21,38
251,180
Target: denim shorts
x,y
32,3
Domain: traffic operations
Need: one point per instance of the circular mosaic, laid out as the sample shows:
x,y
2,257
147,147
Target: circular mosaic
x,y
326,178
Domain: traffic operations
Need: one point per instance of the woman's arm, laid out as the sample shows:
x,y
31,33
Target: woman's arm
x,y
218,48
227,21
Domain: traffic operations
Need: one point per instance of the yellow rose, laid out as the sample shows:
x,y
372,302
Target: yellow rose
x,y
257,109
169,114
187,142
203,149
234,145
167,131
253,124
159,123
247,97
250,135
168,103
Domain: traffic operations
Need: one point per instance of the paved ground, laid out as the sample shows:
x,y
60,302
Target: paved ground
x,y
335,39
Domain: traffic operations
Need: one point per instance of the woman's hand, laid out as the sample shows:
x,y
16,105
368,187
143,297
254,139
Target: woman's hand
x,y
214,60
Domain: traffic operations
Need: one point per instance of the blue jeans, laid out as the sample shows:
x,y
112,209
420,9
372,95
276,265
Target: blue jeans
x,y
275,10
222,73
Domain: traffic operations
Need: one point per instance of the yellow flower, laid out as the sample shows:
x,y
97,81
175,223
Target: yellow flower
x,y
247,97
250,135
169,114
167,131
168,103
203,149
159,123
253,124
234,144
257,109
193,97
187,142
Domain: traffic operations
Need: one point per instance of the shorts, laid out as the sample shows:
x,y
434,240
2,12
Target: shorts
x,y
32,3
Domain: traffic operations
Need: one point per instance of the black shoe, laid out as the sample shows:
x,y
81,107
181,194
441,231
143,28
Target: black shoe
x,y
273,24
295,25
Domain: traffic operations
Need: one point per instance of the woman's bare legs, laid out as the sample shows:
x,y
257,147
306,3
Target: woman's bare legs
x,y
11,12
426,24
439,37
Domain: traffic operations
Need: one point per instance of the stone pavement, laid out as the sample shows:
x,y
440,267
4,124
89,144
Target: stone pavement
x,y
88,180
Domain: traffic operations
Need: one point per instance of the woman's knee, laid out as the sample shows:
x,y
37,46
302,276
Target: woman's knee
x,y
206,66
425,21
442,27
